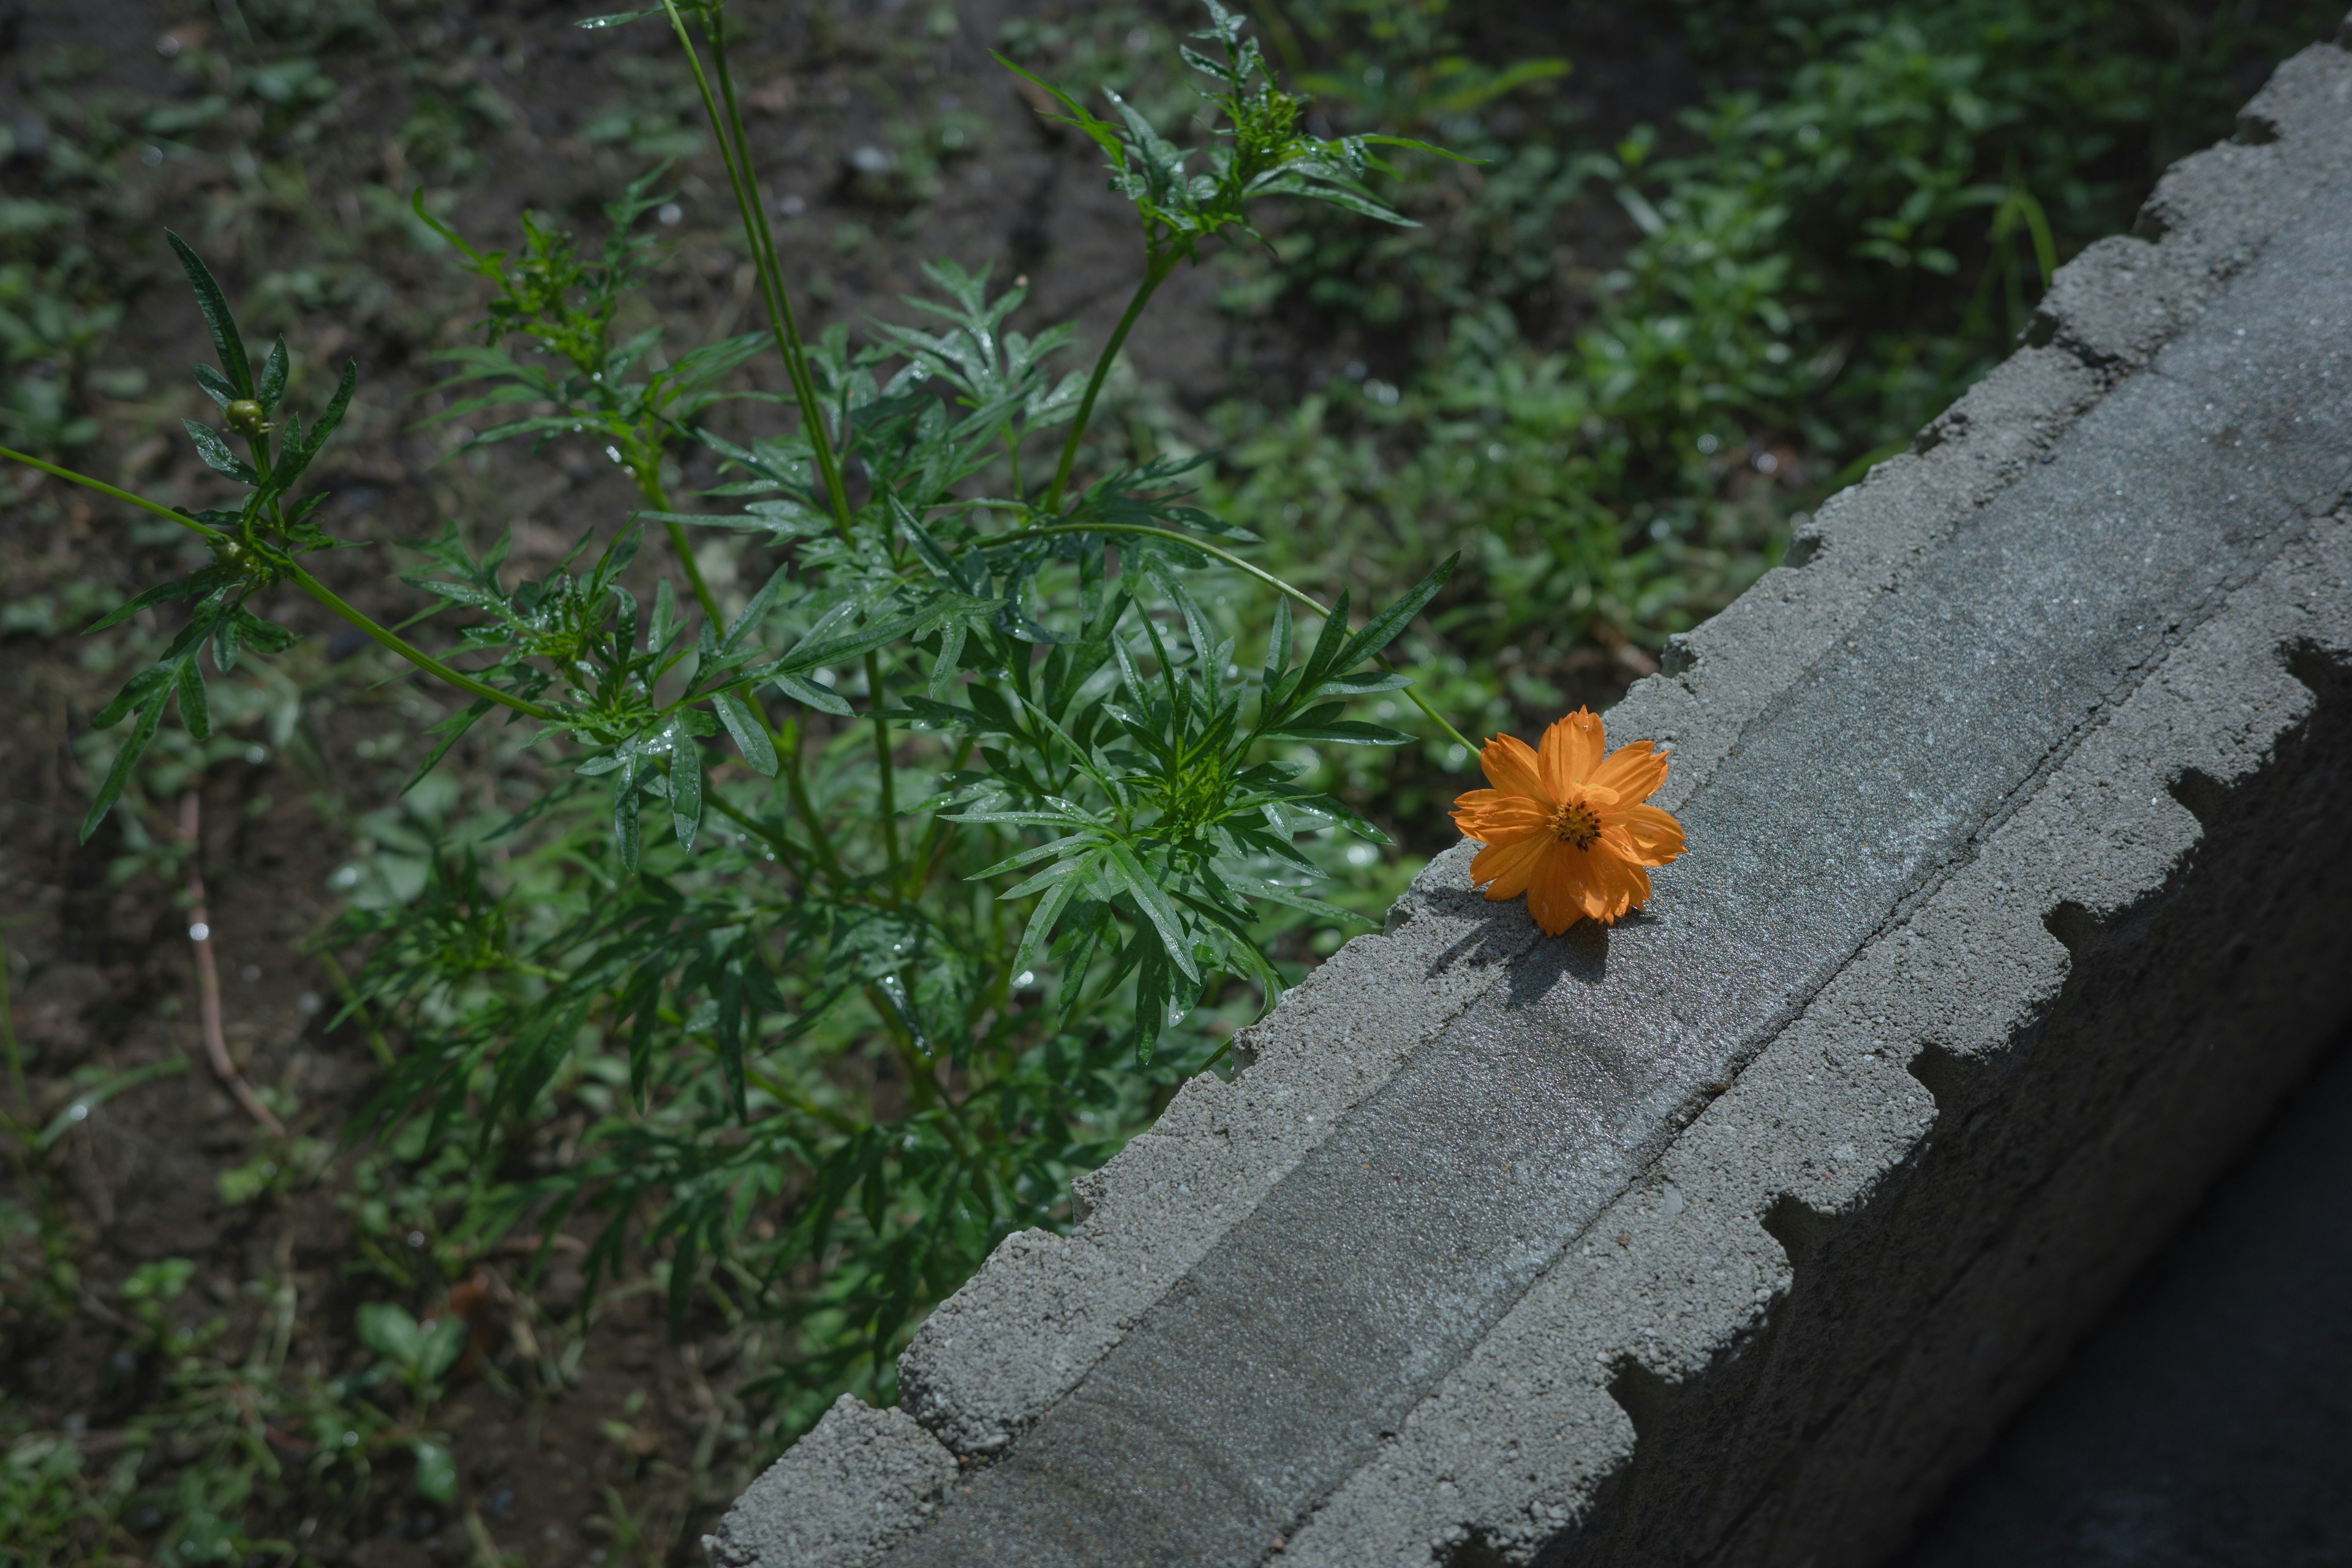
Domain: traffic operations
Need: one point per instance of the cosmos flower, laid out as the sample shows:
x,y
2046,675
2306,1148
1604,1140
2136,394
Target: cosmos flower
x,y
1566,825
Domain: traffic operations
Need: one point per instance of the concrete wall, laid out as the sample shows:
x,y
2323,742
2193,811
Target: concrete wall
x,y
1849,1186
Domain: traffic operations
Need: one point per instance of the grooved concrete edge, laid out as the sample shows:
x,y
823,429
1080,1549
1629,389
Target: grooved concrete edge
x,y
1515,1444
1044,1309
843,1495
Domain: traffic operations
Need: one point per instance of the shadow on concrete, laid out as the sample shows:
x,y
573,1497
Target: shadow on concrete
x,y
2207,1420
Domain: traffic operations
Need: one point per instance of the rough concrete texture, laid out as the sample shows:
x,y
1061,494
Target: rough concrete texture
x,y
1391,1295
839,1497
1046,1308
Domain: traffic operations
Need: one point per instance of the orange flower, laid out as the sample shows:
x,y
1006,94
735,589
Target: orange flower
x,y
1566,827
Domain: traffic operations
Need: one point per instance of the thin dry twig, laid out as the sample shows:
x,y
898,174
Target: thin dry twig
x,y
208,991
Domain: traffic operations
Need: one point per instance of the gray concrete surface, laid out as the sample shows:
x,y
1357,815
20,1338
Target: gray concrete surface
x,y
2207,1421
1478,1259
859,1481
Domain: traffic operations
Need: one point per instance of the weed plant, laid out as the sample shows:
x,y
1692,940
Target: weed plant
x,y
877,908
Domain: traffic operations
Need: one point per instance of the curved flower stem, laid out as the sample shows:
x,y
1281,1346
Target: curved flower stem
x,y
417,655
787,741
882,766
1262,574
102,488
734,150
310,586
1155,273
652,487
765,834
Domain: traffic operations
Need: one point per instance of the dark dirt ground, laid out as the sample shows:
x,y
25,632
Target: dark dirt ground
x,y
292,206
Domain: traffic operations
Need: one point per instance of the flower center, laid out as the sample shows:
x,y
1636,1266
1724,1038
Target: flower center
x,y
1575,826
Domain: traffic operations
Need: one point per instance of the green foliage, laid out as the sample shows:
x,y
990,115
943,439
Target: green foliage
x,y
564,304
1262,152
1818,263
253,547
44,1509
971,798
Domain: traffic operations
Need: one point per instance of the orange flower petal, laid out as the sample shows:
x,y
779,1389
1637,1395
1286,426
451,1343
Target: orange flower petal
x,y
1513,821
1499,819
1648,836
1573,748
1510,766
1561,893
1509,865
1634,770
1624,885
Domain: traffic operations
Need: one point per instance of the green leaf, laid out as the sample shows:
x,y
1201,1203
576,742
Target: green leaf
x,y
1145,889
749,730
1093,921
1382,628
159,594
814,696
272,387
216,385
1362,685
148,682
301,450
686,790
79,1109
445,1342
1290,898
194,711
625,813
437,1469
134,746
219,319
385,1328
756,611
218,456
1341,732
451,730
1048,912
1348,817
1278,648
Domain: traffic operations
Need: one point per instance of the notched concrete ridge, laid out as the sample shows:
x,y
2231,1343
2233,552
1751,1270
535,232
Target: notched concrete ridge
x,y
1943,1078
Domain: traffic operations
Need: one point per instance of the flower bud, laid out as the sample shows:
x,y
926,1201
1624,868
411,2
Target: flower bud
x,y
246,418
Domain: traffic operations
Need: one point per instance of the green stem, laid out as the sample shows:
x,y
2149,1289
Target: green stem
x,y
791,1095
1155,272
102,488
787,743
352,1003
694,574
417,655
734,150
765,834
1263,575
882,764
309,584
652,487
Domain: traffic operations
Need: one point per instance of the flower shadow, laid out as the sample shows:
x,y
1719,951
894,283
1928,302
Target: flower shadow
x,y
1580,954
